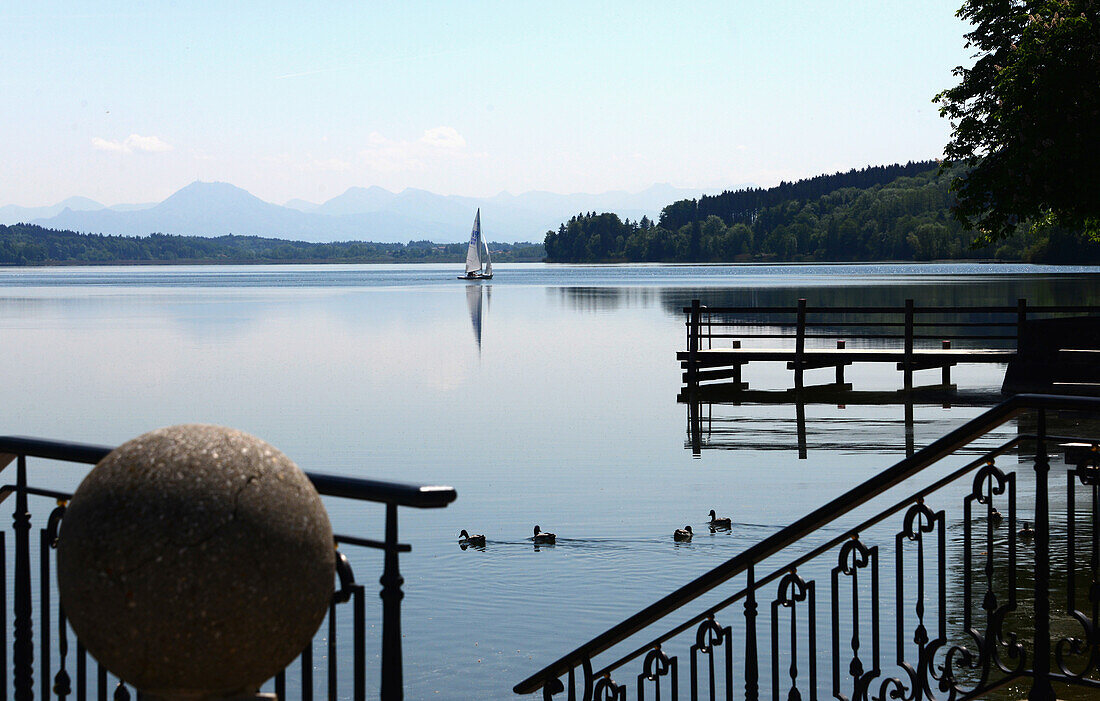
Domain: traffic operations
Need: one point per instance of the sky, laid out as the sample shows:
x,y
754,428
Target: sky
x,y
127,102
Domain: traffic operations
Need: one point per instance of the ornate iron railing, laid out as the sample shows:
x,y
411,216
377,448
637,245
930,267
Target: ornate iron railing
x,y
965,609
64,669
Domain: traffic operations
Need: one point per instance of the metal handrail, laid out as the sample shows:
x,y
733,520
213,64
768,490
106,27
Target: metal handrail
x,y
399,493
838,507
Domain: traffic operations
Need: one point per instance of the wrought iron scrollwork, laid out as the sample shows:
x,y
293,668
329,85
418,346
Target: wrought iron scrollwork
x,y
794,590
656,665
853,557
62,684
919,522
607,690
1086,645
708,636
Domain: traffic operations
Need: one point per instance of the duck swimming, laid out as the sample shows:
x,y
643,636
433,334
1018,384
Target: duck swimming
x,y
996,517
1027,532
468,539
541,537
716,522
682,534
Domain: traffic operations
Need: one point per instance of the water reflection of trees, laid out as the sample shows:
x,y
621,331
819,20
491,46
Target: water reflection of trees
x,y
600,299
927,290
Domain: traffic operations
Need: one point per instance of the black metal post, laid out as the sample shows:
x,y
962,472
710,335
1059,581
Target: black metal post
x,y
752,663
1041,689
391,613
23,649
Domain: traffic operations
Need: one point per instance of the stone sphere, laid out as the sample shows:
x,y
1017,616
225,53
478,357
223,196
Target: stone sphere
x,y
195,560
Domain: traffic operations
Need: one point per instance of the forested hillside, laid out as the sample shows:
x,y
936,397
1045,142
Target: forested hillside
x,y
899,212
26,244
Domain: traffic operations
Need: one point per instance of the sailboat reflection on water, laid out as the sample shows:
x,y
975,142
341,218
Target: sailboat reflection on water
x,y
478,299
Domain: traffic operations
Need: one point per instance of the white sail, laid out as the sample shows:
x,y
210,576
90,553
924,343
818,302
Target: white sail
x,y
473,253
485,256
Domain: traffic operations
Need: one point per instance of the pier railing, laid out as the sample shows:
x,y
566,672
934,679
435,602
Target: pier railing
x,y
63,669
915,337
993,581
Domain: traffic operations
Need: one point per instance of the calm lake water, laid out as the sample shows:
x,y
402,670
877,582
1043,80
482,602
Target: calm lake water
x,y
547,396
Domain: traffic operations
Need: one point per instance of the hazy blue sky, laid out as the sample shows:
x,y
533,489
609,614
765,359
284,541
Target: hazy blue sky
x,y
128,102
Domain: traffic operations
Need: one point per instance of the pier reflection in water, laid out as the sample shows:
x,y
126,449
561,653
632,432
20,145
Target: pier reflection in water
x,y
847,422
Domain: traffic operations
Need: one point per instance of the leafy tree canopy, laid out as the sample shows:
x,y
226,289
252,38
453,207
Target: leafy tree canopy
x,y
1026,117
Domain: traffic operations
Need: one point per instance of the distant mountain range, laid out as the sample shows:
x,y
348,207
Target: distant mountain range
x,y
364,214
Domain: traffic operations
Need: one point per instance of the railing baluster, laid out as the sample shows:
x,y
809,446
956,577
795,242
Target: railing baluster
x,y
332,696
81,672
391,581
101,682
23,651
4,616
360,644
752,661
307,672
1041,688
44,605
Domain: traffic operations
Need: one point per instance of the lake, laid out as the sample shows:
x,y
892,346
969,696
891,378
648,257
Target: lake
x,y
547,396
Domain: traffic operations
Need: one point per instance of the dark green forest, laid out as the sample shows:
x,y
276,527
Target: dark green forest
x,y
897,212
26,244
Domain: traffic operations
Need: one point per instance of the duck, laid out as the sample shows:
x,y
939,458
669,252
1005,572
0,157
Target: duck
x,y
541,537
682,534
468,539
995,516
723,522
1027,532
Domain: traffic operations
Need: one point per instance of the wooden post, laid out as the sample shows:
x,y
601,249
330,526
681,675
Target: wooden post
x,y
737,367
908,362
800,343
840,366
1021,320
693,343
945,372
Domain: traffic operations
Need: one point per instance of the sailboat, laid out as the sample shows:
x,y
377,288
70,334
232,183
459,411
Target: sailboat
x,y
478,264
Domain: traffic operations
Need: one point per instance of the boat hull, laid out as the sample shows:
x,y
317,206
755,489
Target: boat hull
x,y
475,277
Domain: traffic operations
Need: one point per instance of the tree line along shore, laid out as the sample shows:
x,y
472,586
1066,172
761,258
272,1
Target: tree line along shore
x,y
898,212
27,244
895,212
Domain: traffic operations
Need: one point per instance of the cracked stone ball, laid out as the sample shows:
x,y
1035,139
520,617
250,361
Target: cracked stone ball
x,y
195,560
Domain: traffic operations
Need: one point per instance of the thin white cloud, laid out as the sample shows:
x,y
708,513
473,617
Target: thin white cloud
x,y
105,145
444,137
435,146
133,142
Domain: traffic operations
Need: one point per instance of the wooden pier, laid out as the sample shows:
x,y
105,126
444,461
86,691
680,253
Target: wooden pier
x,y
910,337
